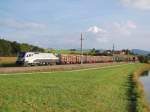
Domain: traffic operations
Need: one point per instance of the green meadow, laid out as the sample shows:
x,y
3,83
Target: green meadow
x,y
63,51
101,90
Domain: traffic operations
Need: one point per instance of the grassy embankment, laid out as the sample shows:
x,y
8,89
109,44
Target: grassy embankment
x,y
139,102
7,61
63,51
102,90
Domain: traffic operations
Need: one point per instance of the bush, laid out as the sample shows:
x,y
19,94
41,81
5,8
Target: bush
x,y
143,59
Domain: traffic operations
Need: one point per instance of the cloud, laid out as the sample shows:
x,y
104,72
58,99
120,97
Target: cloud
x,y
124,28
14,24
139,4
97,35
111,31
95,30
131,25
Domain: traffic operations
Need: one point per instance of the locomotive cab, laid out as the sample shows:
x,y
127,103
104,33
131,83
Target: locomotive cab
x,y
35,58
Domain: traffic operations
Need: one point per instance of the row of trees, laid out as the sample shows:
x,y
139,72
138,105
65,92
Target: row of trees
x,y
144,59
8,48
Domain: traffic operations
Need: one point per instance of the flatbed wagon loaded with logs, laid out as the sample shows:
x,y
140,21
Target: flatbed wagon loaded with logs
x,y
34,58
76,59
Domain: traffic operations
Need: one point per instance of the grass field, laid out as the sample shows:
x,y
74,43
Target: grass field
x,y
102,90
7,61
63,51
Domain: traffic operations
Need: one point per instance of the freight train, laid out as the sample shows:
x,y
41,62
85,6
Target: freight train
x,y
35,58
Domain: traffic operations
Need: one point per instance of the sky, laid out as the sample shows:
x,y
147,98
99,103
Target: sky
x,y
59,23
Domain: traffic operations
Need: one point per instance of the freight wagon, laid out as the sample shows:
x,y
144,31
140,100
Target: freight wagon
x,y
125,58
76,59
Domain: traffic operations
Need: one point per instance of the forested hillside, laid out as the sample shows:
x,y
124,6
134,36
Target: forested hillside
x,y
9,48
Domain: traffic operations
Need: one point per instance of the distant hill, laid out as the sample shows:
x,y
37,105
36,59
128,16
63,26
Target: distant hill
x,y
9,48
140,52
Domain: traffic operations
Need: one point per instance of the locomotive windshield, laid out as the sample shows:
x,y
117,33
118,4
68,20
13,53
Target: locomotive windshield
x,y
21,55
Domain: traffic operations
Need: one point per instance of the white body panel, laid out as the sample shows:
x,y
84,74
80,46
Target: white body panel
x,y
37,58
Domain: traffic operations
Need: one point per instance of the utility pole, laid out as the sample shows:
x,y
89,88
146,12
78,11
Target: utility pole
x,y
113,48
81,49
113,51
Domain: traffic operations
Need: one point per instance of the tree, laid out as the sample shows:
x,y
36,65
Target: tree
x,y
143,59
8,48
25,47
5,48
37,49
93,51
15,47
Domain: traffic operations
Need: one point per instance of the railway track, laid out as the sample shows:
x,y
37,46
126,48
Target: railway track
x,y
5,70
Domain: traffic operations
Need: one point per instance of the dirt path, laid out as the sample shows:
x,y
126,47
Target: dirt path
x,y
5,70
